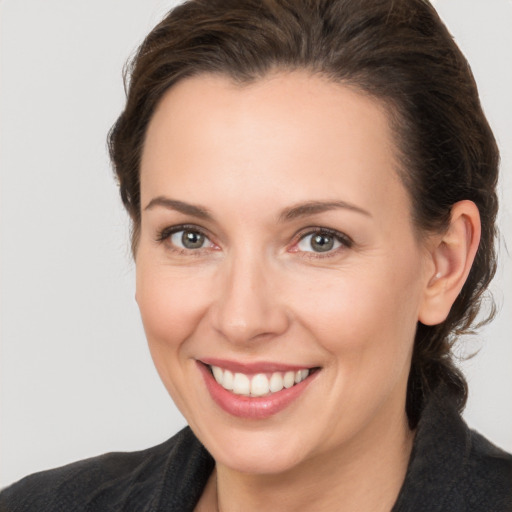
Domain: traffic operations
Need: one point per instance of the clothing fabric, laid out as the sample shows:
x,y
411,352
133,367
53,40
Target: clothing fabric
x,y
451,469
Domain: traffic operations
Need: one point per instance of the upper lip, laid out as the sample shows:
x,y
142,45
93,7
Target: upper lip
x,y
252,367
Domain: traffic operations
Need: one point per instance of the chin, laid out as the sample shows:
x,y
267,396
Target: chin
x,y
256,452
262,463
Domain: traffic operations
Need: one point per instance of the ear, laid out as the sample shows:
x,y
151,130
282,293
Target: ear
x,y
452,254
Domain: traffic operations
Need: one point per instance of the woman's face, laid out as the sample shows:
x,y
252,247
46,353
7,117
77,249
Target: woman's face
x,y
276,242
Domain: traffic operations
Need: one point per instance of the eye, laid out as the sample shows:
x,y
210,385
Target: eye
x,y
322,241
188,239
184,238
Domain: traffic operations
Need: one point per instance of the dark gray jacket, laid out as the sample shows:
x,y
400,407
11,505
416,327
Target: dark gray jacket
x,y
452,469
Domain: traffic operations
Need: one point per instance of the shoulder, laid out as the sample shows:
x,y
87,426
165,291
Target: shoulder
x,y
453,467
114,481
488,475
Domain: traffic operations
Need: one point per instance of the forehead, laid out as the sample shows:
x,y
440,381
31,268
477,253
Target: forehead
x,y
289,134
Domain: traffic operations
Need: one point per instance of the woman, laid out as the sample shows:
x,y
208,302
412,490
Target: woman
x,y
312,191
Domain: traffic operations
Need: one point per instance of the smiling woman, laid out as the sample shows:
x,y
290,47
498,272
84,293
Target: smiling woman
x,y
312,191
305,275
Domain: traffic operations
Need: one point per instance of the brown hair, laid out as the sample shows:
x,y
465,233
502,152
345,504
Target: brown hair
x,y
398,51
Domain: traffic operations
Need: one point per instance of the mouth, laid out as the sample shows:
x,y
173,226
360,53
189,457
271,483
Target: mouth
x,y
255,391
259,384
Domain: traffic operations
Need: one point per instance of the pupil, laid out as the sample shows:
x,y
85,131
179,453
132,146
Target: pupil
x,y
322,243
192,240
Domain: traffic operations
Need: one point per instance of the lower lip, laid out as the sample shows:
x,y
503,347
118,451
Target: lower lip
x,y
256,408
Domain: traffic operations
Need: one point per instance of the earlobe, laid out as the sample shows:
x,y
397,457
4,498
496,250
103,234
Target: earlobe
x,y
452,255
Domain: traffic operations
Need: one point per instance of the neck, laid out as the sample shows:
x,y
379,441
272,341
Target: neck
x,y
367,474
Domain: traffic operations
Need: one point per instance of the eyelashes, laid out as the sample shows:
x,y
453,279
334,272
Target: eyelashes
x,y
321,241
312,242
185,238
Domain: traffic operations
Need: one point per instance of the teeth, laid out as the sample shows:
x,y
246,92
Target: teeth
x,y
289,379
241,384
276,382
257,385
217,373
227,380
301,375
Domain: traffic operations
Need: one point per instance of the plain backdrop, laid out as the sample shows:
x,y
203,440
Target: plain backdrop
x,y
76,376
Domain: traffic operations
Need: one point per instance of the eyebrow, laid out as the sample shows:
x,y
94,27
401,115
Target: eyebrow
x,y
288,214
180,206
314,207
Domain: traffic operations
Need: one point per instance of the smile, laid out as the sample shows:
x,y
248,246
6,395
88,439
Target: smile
x,y
255,391
261,384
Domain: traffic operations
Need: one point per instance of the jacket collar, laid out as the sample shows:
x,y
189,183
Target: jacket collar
x,y
439,455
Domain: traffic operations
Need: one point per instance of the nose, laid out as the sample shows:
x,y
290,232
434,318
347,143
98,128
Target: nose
x,y
248,307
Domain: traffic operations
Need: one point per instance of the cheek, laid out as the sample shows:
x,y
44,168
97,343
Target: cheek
x,y
364,317
170,306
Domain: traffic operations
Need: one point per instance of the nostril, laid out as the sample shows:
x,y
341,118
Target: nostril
x,y
249,325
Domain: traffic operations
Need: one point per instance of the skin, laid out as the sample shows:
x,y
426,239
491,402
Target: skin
x,y
257,290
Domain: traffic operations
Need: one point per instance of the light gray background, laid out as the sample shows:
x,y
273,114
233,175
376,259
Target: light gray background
x,y
76,376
